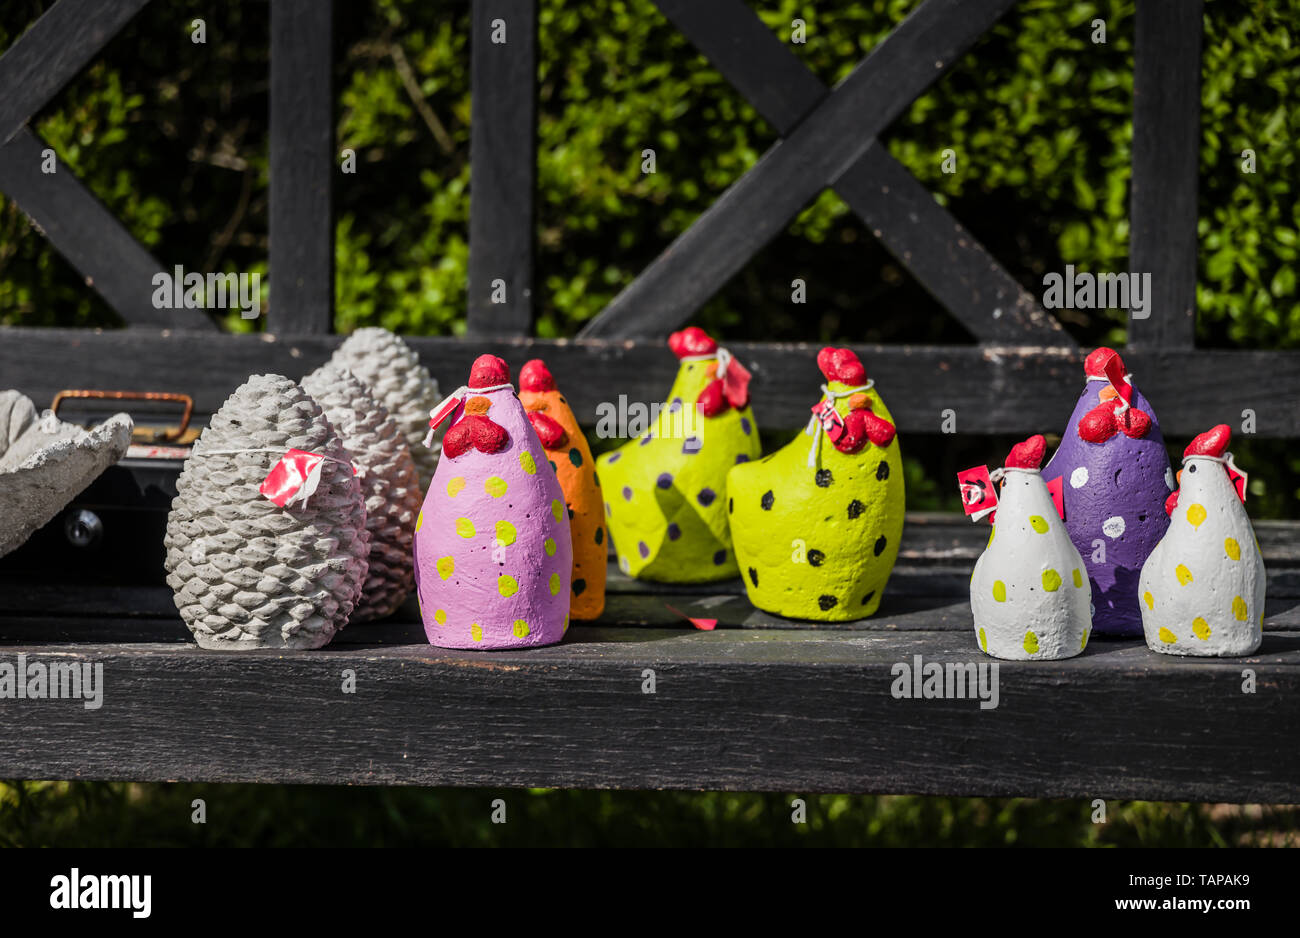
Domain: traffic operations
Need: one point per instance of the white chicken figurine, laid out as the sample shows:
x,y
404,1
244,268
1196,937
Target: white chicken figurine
x,y
1202,588
1029,594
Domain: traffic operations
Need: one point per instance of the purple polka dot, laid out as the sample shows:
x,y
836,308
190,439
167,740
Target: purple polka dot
x,y
720,558
615,457
647,438
744,425
741,457
706,497
627,493
665,480
642,549
692,445
607,509
674,532
675,405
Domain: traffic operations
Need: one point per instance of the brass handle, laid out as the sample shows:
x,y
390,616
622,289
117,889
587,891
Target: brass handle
x,y
166,435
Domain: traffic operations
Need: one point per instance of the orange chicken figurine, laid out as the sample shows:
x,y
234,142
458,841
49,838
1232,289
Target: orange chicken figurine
x,y
557,428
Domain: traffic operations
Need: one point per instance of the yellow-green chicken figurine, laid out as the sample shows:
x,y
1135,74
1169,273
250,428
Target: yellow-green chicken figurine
x,y
666,490
816,524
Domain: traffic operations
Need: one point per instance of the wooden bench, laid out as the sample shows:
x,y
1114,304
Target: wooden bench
x,y
759,703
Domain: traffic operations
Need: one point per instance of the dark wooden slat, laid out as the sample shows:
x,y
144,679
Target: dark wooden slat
x,y
827,142
1166,155
303,163
938,251
93,241
503,167
769,711
52,52
992,390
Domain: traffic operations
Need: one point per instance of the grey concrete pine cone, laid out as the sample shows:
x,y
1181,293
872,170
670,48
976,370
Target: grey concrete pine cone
x,y
397,380
388,483
249,574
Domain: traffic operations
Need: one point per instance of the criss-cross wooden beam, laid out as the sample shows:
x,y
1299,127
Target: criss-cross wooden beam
x,y
826,143
943,256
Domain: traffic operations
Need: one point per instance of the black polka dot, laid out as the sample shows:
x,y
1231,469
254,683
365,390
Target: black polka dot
x,y
706,497
824,478
753,576
595,477
575,457
768,499
720,557
882,471
731,505
827,602
570,514
856,508
880,545
600,535
815,557
866,599
674,532
578,586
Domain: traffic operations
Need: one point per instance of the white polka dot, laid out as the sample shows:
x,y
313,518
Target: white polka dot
x,y
1113,527
624,565
1079,477
1169,478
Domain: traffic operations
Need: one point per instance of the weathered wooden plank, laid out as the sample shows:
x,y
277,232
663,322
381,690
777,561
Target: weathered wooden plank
x,y
1166,155
50,53
938,251
769,711
88,236
991,390
302,167
832,137
503,167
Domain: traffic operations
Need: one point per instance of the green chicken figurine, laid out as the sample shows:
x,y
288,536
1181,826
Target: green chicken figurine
x,y
666,490
816,524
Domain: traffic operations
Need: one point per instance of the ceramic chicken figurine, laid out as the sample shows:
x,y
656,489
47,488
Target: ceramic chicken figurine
x,y
1029,593
1115,477
666,491
493,552
1203,586
558,430
816,524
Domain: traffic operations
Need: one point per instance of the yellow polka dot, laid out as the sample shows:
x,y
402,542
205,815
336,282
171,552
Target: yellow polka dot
x,y
557,509
495,486
1167,636
454,486
1031,643
419,520
507,585
1201,629
1232,548
984,642
999,591
1149,600
1039,523
464,527
1051,580
1239,609
476,632
527,463
1196,515
440,616
1184,575
549,544
520,628
1078,578
555,584
1083,643
446,567
505,532
565,627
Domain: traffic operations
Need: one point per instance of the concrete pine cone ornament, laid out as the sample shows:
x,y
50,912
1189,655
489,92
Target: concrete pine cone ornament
x,y
567,448
1115,477
493,549
398,381
389,484
816,525
666,490
1203,585
1029,593
246,572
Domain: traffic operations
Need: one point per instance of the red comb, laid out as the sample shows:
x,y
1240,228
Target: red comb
x,y
842,365
488,370
691,341
535,376
1094,366
1027,455
1210,443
